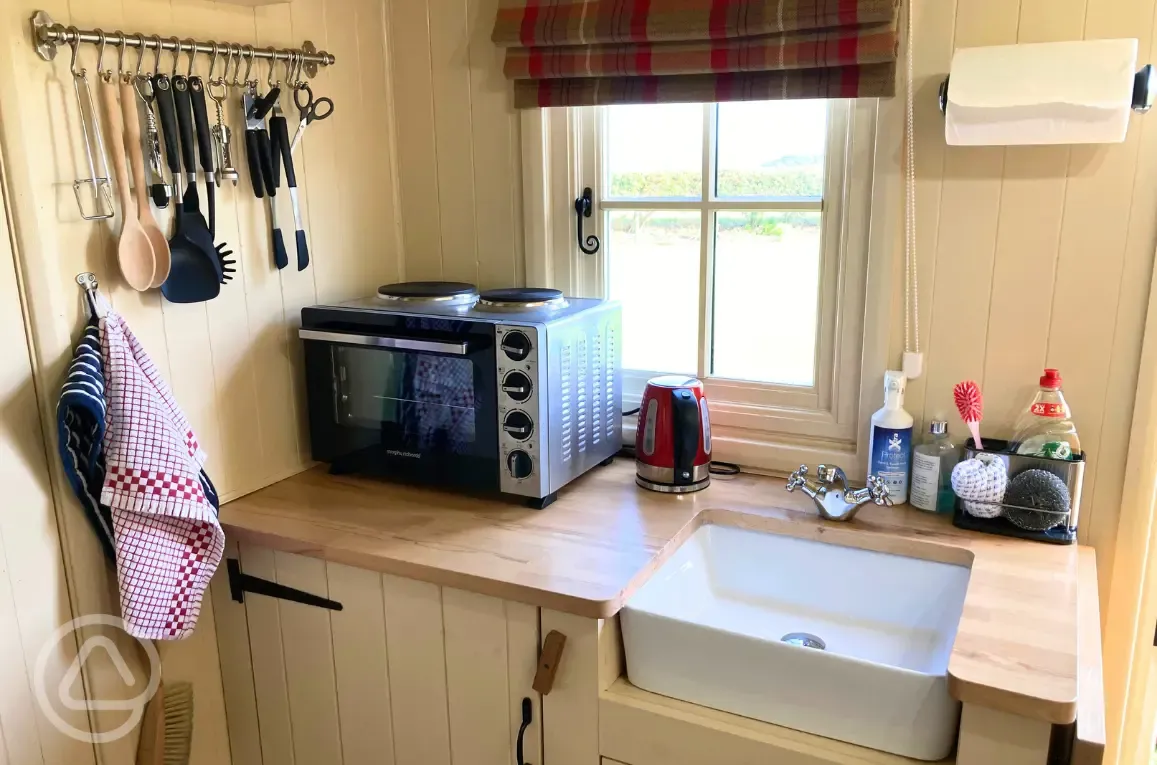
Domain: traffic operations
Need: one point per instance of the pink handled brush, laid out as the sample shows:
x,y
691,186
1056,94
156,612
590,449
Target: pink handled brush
x,y
970,404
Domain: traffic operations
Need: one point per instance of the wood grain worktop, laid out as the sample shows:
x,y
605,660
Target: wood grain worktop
x,y
1016,648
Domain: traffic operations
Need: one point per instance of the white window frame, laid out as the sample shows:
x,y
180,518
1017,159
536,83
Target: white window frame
x,y
769,427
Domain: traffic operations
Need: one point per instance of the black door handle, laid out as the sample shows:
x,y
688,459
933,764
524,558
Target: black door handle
x,y
527,716
240,583
582,209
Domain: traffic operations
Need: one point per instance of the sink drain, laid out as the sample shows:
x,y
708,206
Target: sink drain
x,y
804,640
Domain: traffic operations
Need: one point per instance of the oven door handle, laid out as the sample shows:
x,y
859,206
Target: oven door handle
x,y
380,341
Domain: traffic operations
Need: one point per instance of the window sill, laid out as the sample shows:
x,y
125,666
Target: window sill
x,y
767,453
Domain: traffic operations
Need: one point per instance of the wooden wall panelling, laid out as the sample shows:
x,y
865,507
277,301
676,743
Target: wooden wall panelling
x,y
415,640
453,136
33,590
571,710
522,640
417,153
263,616
477,674
309,662
361,666
232,633
497,155
966,237
1132,305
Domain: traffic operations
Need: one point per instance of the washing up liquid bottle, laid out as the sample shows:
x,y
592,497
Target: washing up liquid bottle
x,y
890,442
1046,428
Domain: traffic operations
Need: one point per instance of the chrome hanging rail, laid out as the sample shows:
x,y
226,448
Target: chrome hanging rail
x,y
47,35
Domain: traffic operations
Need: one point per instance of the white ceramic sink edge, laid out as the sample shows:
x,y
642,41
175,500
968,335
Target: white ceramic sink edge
x,y
707,629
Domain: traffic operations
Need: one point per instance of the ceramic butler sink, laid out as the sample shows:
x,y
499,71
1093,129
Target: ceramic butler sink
x,y
708,628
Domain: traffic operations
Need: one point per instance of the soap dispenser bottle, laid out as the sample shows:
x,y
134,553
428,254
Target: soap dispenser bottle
x,y
890,441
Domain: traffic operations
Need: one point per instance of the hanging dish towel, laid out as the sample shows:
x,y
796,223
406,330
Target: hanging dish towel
x,y
168,540
80,418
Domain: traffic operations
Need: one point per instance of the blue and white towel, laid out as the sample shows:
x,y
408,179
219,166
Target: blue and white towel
x,y
80,425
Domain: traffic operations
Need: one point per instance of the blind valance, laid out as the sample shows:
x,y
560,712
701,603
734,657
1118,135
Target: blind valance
x,y
594,52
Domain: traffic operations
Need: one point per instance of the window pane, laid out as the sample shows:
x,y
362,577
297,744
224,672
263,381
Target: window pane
x,y
655,151
767,269
771,149
654,257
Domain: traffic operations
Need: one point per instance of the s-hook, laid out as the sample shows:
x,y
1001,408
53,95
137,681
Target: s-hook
x,y
582,209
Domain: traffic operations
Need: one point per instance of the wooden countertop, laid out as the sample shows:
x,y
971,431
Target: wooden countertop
x,y
1016,648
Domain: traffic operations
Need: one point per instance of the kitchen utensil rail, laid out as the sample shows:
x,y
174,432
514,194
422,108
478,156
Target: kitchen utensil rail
x,y
47,35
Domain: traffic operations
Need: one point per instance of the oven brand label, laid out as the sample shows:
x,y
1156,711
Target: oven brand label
x,y
399,453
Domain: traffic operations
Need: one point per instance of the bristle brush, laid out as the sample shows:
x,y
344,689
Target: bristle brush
x,y
970,404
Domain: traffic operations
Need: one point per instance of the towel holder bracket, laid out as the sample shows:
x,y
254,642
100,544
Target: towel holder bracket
x,y
241,583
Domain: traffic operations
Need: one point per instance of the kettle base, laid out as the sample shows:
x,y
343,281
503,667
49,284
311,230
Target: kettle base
x,y
667,488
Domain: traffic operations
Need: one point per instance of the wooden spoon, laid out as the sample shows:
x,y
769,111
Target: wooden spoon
x,y
144,210
134,252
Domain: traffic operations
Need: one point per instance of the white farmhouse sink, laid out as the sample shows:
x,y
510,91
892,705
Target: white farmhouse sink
x,y
708,629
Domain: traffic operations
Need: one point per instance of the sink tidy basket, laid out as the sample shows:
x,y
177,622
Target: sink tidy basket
x,y
1041,502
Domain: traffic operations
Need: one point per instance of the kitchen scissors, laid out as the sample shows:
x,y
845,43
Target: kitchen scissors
x,y
312,110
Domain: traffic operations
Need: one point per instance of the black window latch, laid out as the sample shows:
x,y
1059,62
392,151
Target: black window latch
x,y
240,583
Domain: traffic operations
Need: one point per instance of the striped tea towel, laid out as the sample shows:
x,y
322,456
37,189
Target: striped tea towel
x,y
80,419
168,540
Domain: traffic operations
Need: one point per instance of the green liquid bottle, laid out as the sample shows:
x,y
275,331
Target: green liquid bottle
x,y
932,463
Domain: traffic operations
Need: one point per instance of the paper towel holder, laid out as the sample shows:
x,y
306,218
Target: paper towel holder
x,y
1144,90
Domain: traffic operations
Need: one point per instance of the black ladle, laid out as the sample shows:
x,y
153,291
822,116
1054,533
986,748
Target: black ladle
x,y
196,273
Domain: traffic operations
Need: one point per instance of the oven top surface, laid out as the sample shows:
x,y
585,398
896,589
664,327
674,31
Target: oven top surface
x,y
475,313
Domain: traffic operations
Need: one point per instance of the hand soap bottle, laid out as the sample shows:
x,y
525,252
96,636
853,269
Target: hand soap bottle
x,y
890,442
932,463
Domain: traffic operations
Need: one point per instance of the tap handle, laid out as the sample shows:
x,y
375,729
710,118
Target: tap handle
x,y
878,491
831,475
798,479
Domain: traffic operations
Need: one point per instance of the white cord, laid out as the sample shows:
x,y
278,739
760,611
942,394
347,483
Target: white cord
x,y
911,283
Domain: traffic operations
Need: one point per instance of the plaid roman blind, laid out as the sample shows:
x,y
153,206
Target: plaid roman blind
x,y
596,52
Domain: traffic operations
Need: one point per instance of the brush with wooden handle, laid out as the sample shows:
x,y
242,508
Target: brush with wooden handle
x,y
970,404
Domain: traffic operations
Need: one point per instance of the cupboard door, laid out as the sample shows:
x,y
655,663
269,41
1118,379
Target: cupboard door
x,y
407,673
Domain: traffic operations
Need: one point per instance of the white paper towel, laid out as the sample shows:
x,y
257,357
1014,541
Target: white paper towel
x,y
1041,93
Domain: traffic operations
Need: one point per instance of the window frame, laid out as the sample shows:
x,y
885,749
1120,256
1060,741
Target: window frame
x,y
765,426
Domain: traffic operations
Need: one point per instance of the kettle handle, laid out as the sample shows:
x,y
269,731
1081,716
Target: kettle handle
x,y
685,430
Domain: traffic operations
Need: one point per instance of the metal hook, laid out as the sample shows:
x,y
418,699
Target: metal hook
x,y
156,56
213,61
290,67
274,56
121,54
192,55
249,67
229,62
107,77
176,54
74,43
140,57
299,77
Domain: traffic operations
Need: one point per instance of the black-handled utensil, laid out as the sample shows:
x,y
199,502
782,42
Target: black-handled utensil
x,y
280,138
191,224
270,173
166,107
253,155
204,147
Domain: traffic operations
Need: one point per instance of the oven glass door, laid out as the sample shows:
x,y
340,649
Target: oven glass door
x,y
413,399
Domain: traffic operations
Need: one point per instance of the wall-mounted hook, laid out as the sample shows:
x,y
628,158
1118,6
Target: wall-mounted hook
x,y
121,53
213,59
249,67
157,56
192,55
582,209
74,43
176,55
273,70
106,76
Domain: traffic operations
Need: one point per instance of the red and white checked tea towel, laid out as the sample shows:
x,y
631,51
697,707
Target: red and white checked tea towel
x,y
168,540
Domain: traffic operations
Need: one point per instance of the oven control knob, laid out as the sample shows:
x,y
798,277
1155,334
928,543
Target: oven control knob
x,y
518,425
516,345
520,464
517,385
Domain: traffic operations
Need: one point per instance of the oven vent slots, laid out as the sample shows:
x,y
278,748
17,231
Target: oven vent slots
x,y
598,364
610,378
582,403
566,359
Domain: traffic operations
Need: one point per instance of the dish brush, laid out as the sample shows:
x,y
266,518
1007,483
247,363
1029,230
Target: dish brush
x,y
970,404
167,727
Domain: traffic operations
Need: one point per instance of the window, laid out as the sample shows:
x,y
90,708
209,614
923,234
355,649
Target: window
x,y
736,236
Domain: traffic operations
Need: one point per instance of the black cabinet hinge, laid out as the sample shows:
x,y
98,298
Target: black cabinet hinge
x,y
241,583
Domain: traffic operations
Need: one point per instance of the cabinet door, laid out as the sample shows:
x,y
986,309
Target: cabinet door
x,y
407,673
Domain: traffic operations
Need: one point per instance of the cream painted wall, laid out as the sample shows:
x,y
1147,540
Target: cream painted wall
x,y
1028,256
1035,256
234,363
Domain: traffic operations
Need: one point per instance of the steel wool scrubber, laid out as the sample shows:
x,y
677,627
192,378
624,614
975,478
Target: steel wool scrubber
x,y
981,483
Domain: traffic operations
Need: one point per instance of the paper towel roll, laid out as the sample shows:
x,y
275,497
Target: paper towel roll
x,y
1041,93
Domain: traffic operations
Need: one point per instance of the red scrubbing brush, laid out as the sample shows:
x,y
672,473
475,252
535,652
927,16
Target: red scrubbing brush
x,y
970,404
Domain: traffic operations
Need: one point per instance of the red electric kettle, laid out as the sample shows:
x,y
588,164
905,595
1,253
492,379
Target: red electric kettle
x,y
673,437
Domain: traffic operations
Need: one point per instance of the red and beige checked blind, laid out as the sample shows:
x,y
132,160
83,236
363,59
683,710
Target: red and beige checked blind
x,y
597,52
